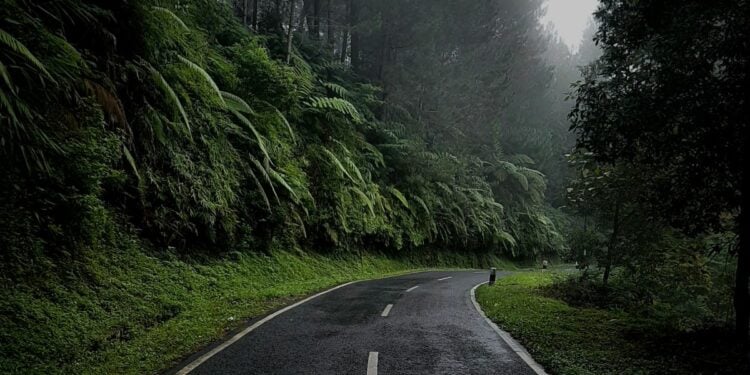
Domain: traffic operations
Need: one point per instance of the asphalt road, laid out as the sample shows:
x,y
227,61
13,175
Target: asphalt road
x,y
431,329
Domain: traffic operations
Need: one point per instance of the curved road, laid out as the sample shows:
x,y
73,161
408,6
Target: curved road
x,y
422,323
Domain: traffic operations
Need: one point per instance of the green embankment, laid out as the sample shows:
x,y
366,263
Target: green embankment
x,y
570,340
132,313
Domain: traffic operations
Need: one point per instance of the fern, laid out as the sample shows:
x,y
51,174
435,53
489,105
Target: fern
x,y
263,170
364,199
20,49
131,162
337,104
281,181
282,118
400,196
171,97
338,164
260,189
172,16
258,137
195,67
339,90
235,103
109,102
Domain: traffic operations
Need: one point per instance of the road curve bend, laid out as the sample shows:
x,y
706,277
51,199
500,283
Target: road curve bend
x,y
423,323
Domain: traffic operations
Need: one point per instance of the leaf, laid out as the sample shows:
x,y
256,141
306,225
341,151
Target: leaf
x,y
282,118
258,137
264,171
280,179
171,15
195,67
131,161
234,102
400,196
364,198
338,164
171,97
260,189
337,104
16,46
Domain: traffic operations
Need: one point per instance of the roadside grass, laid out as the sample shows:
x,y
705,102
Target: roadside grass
x,y
570,340
128,312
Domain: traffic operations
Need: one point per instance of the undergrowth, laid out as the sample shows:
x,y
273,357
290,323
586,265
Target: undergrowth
x,y
580,340
130,312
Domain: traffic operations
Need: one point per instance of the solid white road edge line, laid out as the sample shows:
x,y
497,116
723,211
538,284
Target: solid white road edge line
x,y
372,363
514,345
199,361
412,288
445,278
387,310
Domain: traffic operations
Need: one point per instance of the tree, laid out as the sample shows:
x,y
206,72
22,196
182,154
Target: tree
x,y
668,96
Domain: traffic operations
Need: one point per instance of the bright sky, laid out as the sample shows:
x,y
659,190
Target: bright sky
x,y
570,18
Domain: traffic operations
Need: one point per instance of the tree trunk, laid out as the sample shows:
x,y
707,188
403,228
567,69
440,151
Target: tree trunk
x,y
612,243
305,16
742,277
316,20
279,18
255,15
289,33
345,34
331,33
355,43
244,14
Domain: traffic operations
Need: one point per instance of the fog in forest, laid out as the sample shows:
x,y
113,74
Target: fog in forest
x,y
181,177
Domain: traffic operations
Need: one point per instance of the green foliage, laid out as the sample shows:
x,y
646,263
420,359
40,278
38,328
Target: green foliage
x,y
170,124
566,339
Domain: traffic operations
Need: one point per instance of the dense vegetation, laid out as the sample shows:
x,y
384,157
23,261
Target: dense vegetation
x,y
661,120
168,135
184,137
572,339
174,121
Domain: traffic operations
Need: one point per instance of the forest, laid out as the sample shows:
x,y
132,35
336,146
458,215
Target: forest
x,y
155,152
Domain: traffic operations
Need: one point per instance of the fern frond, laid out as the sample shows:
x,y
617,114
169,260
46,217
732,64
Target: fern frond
x,y
263,170
234,102
260,189
337,89
171,15
337,104
195,67
258,137
131,161
364,198
282,118
20,49
338,164
109,101
282,181
171,97
399,195
353,167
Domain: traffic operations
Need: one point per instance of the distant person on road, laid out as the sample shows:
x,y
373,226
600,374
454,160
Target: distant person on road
x,y
545,264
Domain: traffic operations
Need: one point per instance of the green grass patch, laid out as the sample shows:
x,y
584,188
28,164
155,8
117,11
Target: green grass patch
x,y
129,312
570,340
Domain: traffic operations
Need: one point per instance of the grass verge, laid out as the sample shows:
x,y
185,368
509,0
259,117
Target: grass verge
x,y
131,313
570,340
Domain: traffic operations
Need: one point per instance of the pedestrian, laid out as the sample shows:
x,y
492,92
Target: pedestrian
x,y
545,264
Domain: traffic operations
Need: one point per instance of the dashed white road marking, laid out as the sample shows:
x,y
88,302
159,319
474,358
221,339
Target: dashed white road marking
x,y
372,363
412,288
445,278
387,310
